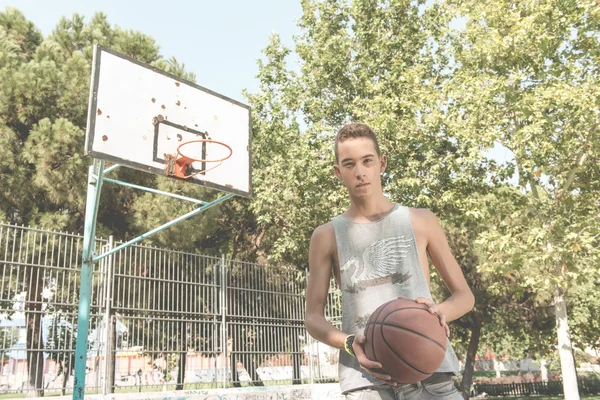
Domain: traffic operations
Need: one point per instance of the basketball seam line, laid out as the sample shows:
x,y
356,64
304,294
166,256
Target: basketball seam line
x,y
410,330
399,356
373,335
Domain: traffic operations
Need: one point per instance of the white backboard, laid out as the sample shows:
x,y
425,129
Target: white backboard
x,y
137,113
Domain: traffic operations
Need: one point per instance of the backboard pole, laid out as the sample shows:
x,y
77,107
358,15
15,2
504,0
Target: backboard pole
x,y
95,181
94,187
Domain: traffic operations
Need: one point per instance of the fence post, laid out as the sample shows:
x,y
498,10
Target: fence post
x,y
109,355
309,341
217,336
224,336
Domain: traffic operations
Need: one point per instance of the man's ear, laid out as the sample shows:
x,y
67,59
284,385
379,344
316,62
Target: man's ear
x,y
382,163
336,170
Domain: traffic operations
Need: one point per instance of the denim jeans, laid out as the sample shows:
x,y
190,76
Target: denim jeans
x,y
438,387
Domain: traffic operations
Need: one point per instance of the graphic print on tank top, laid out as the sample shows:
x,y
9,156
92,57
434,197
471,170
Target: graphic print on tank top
x,y
381,263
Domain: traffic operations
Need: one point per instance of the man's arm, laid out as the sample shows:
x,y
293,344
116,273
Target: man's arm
x,y
320,261
461,300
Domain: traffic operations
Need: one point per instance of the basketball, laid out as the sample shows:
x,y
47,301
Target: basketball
x,y
406,339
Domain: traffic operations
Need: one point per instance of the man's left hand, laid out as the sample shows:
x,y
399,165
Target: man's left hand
x,y
434,309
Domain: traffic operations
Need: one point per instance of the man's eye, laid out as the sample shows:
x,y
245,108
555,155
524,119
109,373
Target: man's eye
x,y
348,165
368,160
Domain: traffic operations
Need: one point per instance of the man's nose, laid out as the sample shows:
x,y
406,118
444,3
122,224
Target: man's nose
x,y
359,171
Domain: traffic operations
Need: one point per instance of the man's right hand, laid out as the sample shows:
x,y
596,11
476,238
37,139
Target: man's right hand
x,y
372,367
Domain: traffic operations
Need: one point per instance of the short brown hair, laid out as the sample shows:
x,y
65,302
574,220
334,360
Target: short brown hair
x,y
352,131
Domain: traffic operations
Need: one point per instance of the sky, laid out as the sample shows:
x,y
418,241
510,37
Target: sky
x,y
218,40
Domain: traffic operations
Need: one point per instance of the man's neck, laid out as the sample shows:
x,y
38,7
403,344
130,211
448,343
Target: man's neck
x,y
369,209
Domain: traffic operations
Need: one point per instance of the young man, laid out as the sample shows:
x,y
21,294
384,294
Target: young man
x,y
378,251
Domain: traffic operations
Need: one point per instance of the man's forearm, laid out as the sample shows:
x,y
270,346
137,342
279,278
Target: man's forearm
x,y
320,329
457,305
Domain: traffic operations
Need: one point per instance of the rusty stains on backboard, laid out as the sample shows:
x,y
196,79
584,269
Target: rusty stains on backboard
x,y
157,119
178,103
229,186
196,125
179,137
104,138
153,100
177,84
108,116
185,128
216,118
99,112
163,107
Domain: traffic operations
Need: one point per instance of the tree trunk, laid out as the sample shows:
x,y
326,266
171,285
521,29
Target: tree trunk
x,y
35,343
111,345
544,371
467,379
66,374
565,349
182,356
497,367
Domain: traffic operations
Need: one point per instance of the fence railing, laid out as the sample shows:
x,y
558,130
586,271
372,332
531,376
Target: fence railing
x,y
160,319
549,388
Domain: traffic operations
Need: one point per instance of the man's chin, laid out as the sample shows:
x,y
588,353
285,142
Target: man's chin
x,y
362,194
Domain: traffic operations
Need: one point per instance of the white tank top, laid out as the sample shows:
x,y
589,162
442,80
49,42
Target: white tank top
x,y
379,262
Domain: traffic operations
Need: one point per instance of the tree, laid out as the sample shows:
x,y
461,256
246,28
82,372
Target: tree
x,y
526,78
506,318
62,336
43,107
440,99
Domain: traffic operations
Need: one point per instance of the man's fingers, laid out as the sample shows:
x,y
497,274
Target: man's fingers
x,y
385,378
366,363
433,309
442,318
423,300
372,367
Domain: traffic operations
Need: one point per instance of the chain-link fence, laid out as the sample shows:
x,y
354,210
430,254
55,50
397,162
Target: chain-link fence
x,y
160,319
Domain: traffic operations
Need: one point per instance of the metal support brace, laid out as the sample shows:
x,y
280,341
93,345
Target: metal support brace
x,y
95,180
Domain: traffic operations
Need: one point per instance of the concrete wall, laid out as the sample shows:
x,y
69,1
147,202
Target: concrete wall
x,y
326,391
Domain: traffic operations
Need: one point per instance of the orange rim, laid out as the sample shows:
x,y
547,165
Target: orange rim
x,y
205,141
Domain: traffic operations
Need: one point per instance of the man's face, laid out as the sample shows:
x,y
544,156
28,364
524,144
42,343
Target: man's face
x,y
359,167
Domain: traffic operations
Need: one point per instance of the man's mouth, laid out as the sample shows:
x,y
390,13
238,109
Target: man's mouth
x,y
361,185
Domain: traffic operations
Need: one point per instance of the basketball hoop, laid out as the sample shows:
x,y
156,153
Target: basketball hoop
x,y
179,164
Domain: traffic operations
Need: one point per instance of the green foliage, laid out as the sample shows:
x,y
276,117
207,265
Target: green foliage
x,y
523,76
43,112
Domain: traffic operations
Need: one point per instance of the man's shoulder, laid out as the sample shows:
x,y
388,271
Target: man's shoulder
x,y
325,229
423,214
423,220
323,239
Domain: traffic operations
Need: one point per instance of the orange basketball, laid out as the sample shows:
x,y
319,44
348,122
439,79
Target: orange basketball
x,y
406,339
